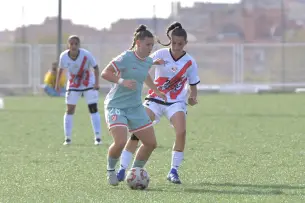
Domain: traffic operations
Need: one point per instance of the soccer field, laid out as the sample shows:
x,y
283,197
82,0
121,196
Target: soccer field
x,y
240,148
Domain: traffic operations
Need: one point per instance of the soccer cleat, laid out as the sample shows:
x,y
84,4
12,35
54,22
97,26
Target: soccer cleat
x,y
121,175
67,142
111,177
98,141
173,176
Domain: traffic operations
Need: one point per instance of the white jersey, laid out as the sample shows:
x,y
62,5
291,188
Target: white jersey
x,y
79,74
172,77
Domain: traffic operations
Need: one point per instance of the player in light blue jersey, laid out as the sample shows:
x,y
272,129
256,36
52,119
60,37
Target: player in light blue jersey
x,y
123,104
175,69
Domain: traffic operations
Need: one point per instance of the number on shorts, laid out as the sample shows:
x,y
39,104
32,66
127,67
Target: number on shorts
x,y
114,111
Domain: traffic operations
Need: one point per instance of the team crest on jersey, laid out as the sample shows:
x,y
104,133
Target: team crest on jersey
x,y
114,117
174,69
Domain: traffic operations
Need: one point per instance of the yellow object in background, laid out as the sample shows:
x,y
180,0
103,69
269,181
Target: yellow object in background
x,y
50,79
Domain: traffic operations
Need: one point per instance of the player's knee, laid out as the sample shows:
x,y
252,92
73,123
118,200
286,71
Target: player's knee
x,y
70,109
120,144
153,145
93,108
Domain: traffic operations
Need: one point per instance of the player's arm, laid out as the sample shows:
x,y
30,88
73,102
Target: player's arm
x,y
96,70
111,72
63,81
96,75
193,91
150,83
156,58
193,82
59,72
59,75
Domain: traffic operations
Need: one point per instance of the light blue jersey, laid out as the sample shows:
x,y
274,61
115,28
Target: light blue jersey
x,y
129,67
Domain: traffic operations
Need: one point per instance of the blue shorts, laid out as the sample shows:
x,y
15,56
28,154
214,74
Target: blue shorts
x,y
135,119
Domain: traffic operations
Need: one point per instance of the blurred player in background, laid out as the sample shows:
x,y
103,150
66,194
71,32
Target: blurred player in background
x,y
81,81
50,80
175,68
123,104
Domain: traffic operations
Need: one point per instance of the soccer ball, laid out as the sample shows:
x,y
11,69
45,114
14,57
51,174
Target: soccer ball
x,y
137,178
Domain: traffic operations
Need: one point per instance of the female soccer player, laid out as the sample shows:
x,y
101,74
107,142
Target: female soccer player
x,y
81,81
123,104
175,67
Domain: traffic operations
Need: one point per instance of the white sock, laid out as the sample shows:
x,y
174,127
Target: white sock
x,y
96,124
126,158
177,158
68,123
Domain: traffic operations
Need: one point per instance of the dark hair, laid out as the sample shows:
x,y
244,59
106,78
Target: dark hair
x,y
73,37
140,34
55,63
177,30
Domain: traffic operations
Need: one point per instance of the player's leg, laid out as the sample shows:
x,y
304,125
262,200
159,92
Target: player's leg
x,y
126,156
141,126
131,146
149,143
117,124
71,101
91,97
177,116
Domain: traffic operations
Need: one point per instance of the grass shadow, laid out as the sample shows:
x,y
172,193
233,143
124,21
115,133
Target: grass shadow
x,y
215,191
282,187
253,115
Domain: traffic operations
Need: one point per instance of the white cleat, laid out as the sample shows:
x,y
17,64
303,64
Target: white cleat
x,y
67,142
112,178
98,141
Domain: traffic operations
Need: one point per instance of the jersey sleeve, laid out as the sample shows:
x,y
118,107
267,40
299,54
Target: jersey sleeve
x,y
119,63
92,60
155,55
193,77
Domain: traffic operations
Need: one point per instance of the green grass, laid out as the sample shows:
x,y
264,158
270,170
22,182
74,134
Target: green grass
x,y
240,148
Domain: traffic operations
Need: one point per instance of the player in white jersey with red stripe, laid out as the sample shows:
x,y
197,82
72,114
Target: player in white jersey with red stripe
x,y
175,71
83,79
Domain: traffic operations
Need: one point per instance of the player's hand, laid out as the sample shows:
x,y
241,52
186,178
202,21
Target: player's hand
x,y
159,62
96,86
192,101
57,88
161,95
130,84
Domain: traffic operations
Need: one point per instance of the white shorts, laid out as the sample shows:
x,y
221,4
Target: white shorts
x,y
91,96
160,110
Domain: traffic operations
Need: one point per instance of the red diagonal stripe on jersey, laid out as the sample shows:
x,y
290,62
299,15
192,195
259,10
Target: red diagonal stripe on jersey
x,y
176,79
79,74
82,67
